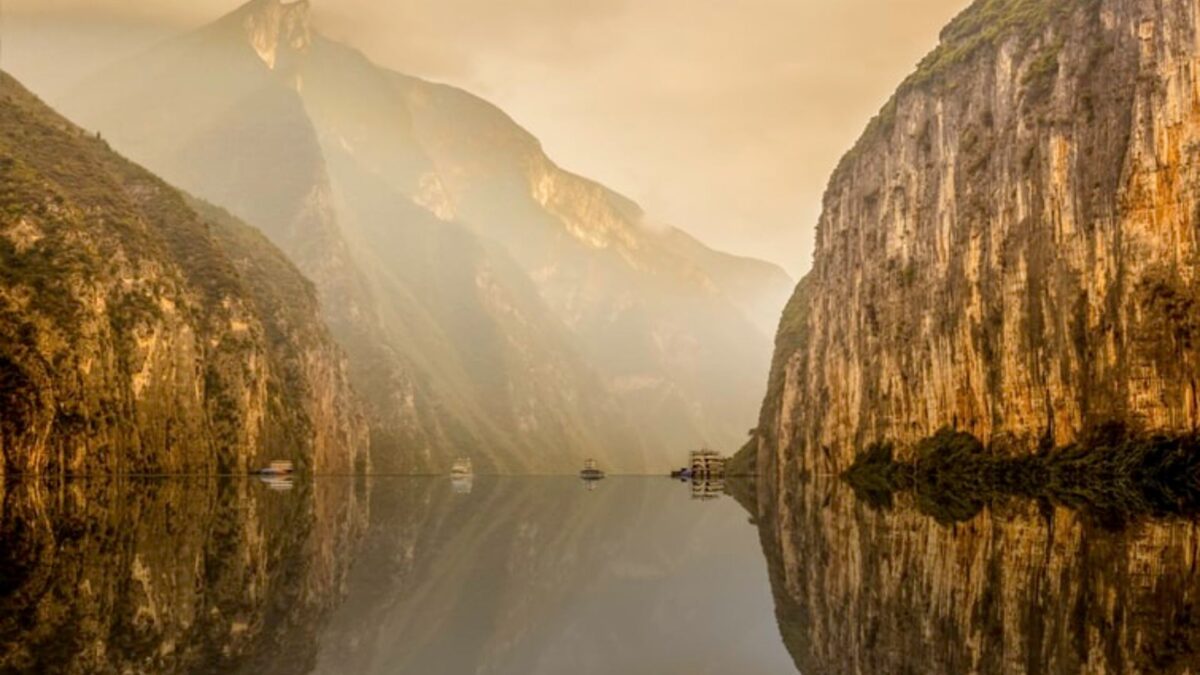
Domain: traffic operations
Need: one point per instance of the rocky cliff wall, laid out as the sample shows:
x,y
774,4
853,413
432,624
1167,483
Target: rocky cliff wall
x,y
1011,248
132,340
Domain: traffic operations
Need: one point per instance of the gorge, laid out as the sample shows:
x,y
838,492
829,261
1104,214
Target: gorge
x,y
978,450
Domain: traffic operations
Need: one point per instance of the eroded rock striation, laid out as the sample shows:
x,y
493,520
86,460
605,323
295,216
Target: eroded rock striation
x,y
1011,247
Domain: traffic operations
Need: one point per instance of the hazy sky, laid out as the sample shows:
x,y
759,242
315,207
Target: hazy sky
x,y
724,117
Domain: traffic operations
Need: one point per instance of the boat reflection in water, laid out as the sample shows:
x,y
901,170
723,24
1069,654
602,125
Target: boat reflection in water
x,y
278,483
708,488
462,485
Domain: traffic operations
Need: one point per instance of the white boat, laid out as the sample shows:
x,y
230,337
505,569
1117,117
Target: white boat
x,y
280,467
462,468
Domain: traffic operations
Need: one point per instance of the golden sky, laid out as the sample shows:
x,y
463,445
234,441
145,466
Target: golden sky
x,y
723,117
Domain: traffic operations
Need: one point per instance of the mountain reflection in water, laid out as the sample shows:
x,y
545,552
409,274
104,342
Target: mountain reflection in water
x,y
396,575
1022,587
542,575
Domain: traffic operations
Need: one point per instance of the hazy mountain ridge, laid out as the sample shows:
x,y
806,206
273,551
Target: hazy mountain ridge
x,y
1010,249
597,335
134,340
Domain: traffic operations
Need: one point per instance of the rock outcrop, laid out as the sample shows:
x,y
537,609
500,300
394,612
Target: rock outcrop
x,y
1011,248
137,336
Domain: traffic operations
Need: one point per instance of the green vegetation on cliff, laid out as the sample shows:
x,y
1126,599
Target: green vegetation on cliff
x,y
1112,473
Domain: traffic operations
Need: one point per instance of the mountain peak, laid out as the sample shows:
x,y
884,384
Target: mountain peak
x,y
276,28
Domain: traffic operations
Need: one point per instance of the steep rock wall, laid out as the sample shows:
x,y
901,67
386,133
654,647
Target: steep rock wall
x,y
1011,248
130,341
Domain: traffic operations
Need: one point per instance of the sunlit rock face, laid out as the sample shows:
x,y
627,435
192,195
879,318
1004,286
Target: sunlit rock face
x,y
491,303
1011,248
273,26
1021,588
141,336
171,576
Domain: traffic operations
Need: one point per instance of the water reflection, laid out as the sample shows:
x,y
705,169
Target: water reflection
x,y
462,485
532,575
1022,587
148,576
545,575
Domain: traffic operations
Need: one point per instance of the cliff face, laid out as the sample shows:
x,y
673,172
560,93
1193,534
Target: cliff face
x,y
1011,248
138,336
491,302
1021,588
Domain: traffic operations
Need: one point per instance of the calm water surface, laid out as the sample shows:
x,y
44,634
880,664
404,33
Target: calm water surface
x,y
404,575
541,575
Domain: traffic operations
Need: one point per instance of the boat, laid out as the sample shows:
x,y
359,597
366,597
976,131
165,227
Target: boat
x,y
462,468
280,467
591,471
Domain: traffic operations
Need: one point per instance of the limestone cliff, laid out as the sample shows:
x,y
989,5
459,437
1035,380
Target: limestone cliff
x,y
1011,247
137,336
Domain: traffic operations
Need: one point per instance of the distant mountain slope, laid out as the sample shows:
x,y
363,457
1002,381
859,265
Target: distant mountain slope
x,y
138,336
492,303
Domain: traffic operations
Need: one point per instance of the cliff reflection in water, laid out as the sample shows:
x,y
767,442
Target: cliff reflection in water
x,y
171,575
542,576
513,576
1023,587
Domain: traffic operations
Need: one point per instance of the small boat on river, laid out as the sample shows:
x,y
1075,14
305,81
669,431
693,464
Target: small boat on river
x,y
591,471
462,468
280,467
